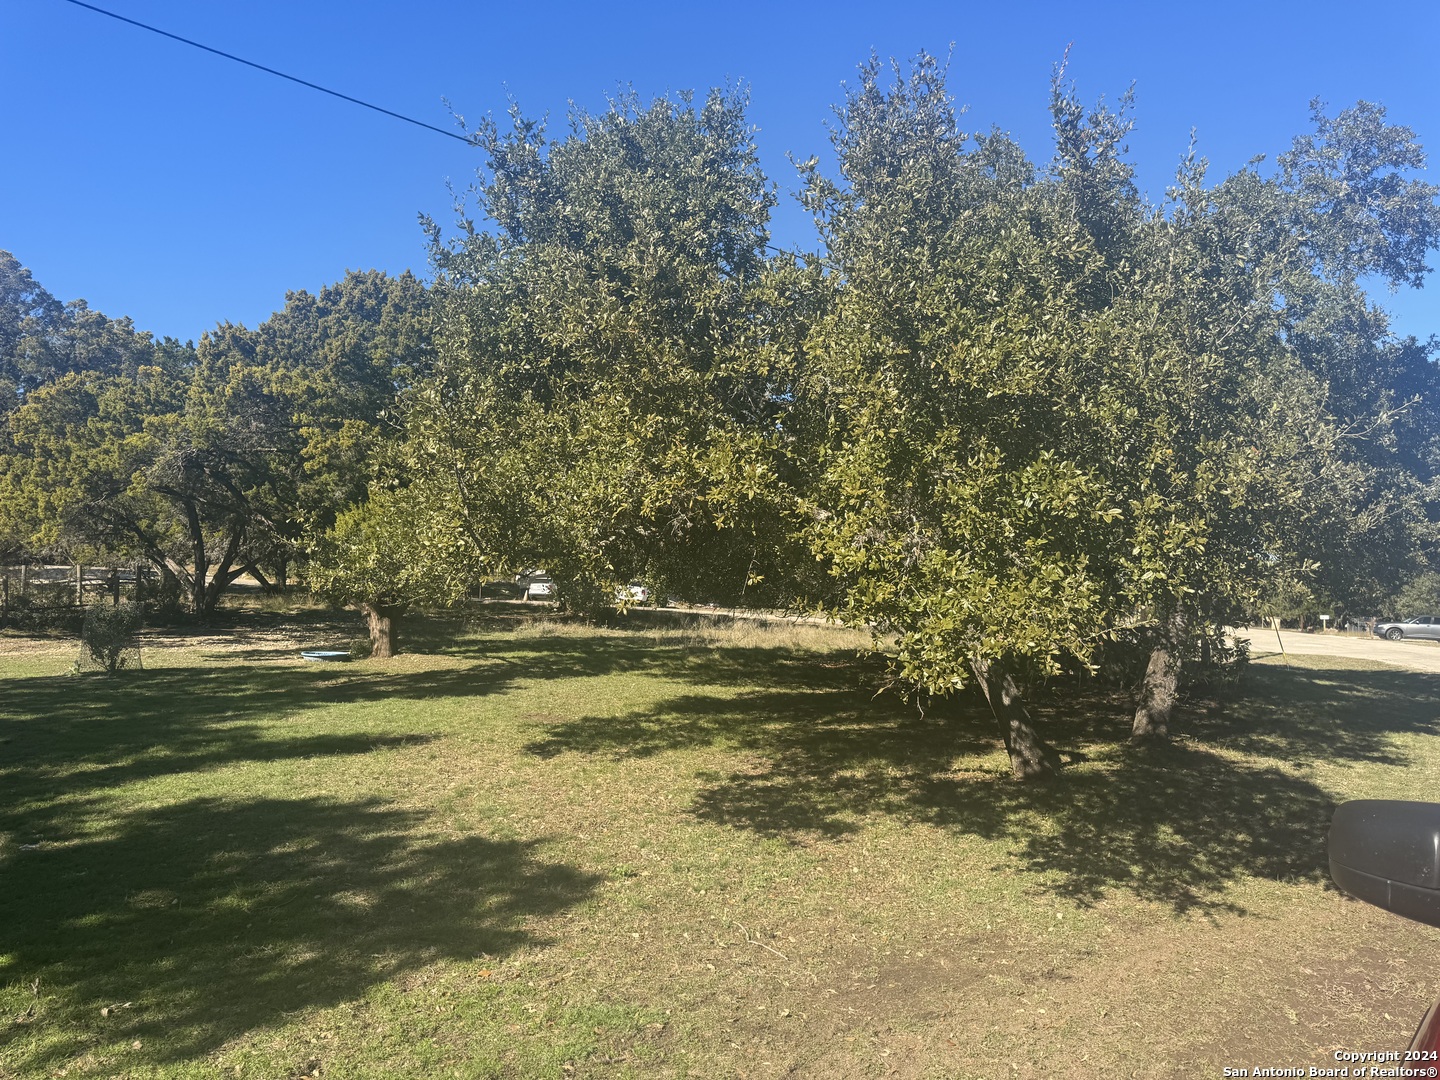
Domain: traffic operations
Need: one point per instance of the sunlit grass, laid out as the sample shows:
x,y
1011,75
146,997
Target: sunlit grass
x,y
675,847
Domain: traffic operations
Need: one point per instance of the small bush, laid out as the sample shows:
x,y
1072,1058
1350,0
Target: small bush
x,y
55,620
1121,659
109,640
164,603
1219,667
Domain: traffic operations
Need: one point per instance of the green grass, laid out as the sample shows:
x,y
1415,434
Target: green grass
x,y
533,849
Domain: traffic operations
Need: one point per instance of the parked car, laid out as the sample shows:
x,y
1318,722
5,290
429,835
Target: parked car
x,y
1387,853
535,585
1423,626
634,593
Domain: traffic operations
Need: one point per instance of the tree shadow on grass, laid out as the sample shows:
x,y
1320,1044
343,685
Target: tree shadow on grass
x,y
216,916
63,735
1177,824
1331,713
66,741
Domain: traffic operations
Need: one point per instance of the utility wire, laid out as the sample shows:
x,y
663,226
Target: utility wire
x,y
313,86
269,70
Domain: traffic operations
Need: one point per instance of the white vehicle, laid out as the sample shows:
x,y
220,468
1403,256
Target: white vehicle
x,y
535,585
634,593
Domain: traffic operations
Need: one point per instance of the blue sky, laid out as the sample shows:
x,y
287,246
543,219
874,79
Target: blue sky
x,y
163,183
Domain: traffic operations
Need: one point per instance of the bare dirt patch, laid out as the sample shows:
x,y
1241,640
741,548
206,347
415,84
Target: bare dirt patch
x,y
257,637
14,643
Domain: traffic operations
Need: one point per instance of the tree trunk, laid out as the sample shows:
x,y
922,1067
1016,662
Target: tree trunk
x,y
1030,756
1161,685
382,620
225,573
170,581
201,562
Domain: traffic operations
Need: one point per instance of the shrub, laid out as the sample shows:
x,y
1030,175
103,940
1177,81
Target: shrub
x,y
109,640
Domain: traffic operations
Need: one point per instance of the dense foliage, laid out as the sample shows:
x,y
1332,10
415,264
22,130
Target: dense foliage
x,y
208,462
1007,414
604,405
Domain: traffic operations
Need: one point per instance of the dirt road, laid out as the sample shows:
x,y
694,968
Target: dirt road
x,y
1411,655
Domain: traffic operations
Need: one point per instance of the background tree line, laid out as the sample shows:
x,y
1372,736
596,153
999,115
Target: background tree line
x,y
207,461
1009,414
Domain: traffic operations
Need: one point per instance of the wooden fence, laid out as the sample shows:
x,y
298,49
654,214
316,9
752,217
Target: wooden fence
x,y
62,588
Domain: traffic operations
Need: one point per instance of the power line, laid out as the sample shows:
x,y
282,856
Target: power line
x,y
270,71
313,86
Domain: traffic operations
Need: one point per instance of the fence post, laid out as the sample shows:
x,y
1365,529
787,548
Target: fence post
x,y
139,582
24,580
79,585
4,595
114,587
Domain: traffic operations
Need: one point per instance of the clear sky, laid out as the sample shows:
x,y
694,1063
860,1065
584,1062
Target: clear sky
x,y
160,182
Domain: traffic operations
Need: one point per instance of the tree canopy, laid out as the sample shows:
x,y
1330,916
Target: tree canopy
x,y
1008,413
207,461
604,404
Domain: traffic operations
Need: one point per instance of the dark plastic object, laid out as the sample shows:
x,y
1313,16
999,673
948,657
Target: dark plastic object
x,y
1387,853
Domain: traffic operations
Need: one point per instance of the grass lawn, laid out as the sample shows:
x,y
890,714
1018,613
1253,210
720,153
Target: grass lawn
x,y
535,850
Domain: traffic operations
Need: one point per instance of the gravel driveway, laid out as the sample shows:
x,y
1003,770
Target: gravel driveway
x,y
1410,655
